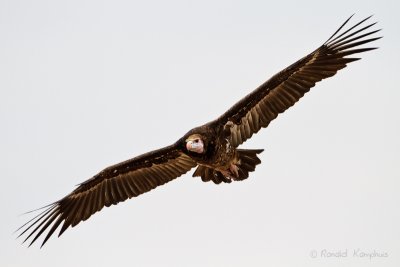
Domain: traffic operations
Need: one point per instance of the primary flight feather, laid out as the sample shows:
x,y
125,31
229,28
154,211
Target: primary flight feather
x,y
213,147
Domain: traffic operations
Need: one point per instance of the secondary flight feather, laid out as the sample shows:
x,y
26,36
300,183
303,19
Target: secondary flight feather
x,y
213,147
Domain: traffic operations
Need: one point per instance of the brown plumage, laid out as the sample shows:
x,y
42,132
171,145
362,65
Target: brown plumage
x,y
212,147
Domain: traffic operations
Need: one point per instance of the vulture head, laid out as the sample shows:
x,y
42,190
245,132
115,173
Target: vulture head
x,y
195,143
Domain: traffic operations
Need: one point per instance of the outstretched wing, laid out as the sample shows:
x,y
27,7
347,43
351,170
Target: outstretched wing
x,y
109,187
263,105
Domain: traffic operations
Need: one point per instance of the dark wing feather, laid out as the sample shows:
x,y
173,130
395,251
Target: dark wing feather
x,y
109,187
263,105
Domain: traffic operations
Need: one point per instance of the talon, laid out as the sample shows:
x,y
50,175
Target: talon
x,y
227,174
234,170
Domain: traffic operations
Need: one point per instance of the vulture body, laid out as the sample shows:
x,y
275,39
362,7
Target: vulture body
x,y
213,147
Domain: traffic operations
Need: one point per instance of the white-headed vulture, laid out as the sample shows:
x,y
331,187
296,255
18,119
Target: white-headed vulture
x,y
213,147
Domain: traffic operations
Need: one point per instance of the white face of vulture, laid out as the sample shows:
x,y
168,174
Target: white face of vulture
x,y
194,143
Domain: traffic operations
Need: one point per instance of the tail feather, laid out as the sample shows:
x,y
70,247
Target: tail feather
x,y
247,161
209,174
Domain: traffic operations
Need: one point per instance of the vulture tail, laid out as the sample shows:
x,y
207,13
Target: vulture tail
x,y
247,161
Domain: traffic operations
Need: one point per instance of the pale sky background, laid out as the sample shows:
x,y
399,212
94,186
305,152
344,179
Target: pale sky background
x,y
86,84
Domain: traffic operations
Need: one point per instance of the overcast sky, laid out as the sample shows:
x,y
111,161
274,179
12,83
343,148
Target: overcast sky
x,y
86,84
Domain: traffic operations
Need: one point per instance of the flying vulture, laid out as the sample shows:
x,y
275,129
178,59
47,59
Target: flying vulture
x,y
211,148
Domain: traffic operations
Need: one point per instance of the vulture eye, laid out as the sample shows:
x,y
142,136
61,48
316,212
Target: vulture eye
x,y
195,145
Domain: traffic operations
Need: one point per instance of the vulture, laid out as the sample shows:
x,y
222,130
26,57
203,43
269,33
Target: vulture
x,y
213,148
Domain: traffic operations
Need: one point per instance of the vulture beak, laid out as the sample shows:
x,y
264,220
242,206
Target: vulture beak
x,y
195,145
